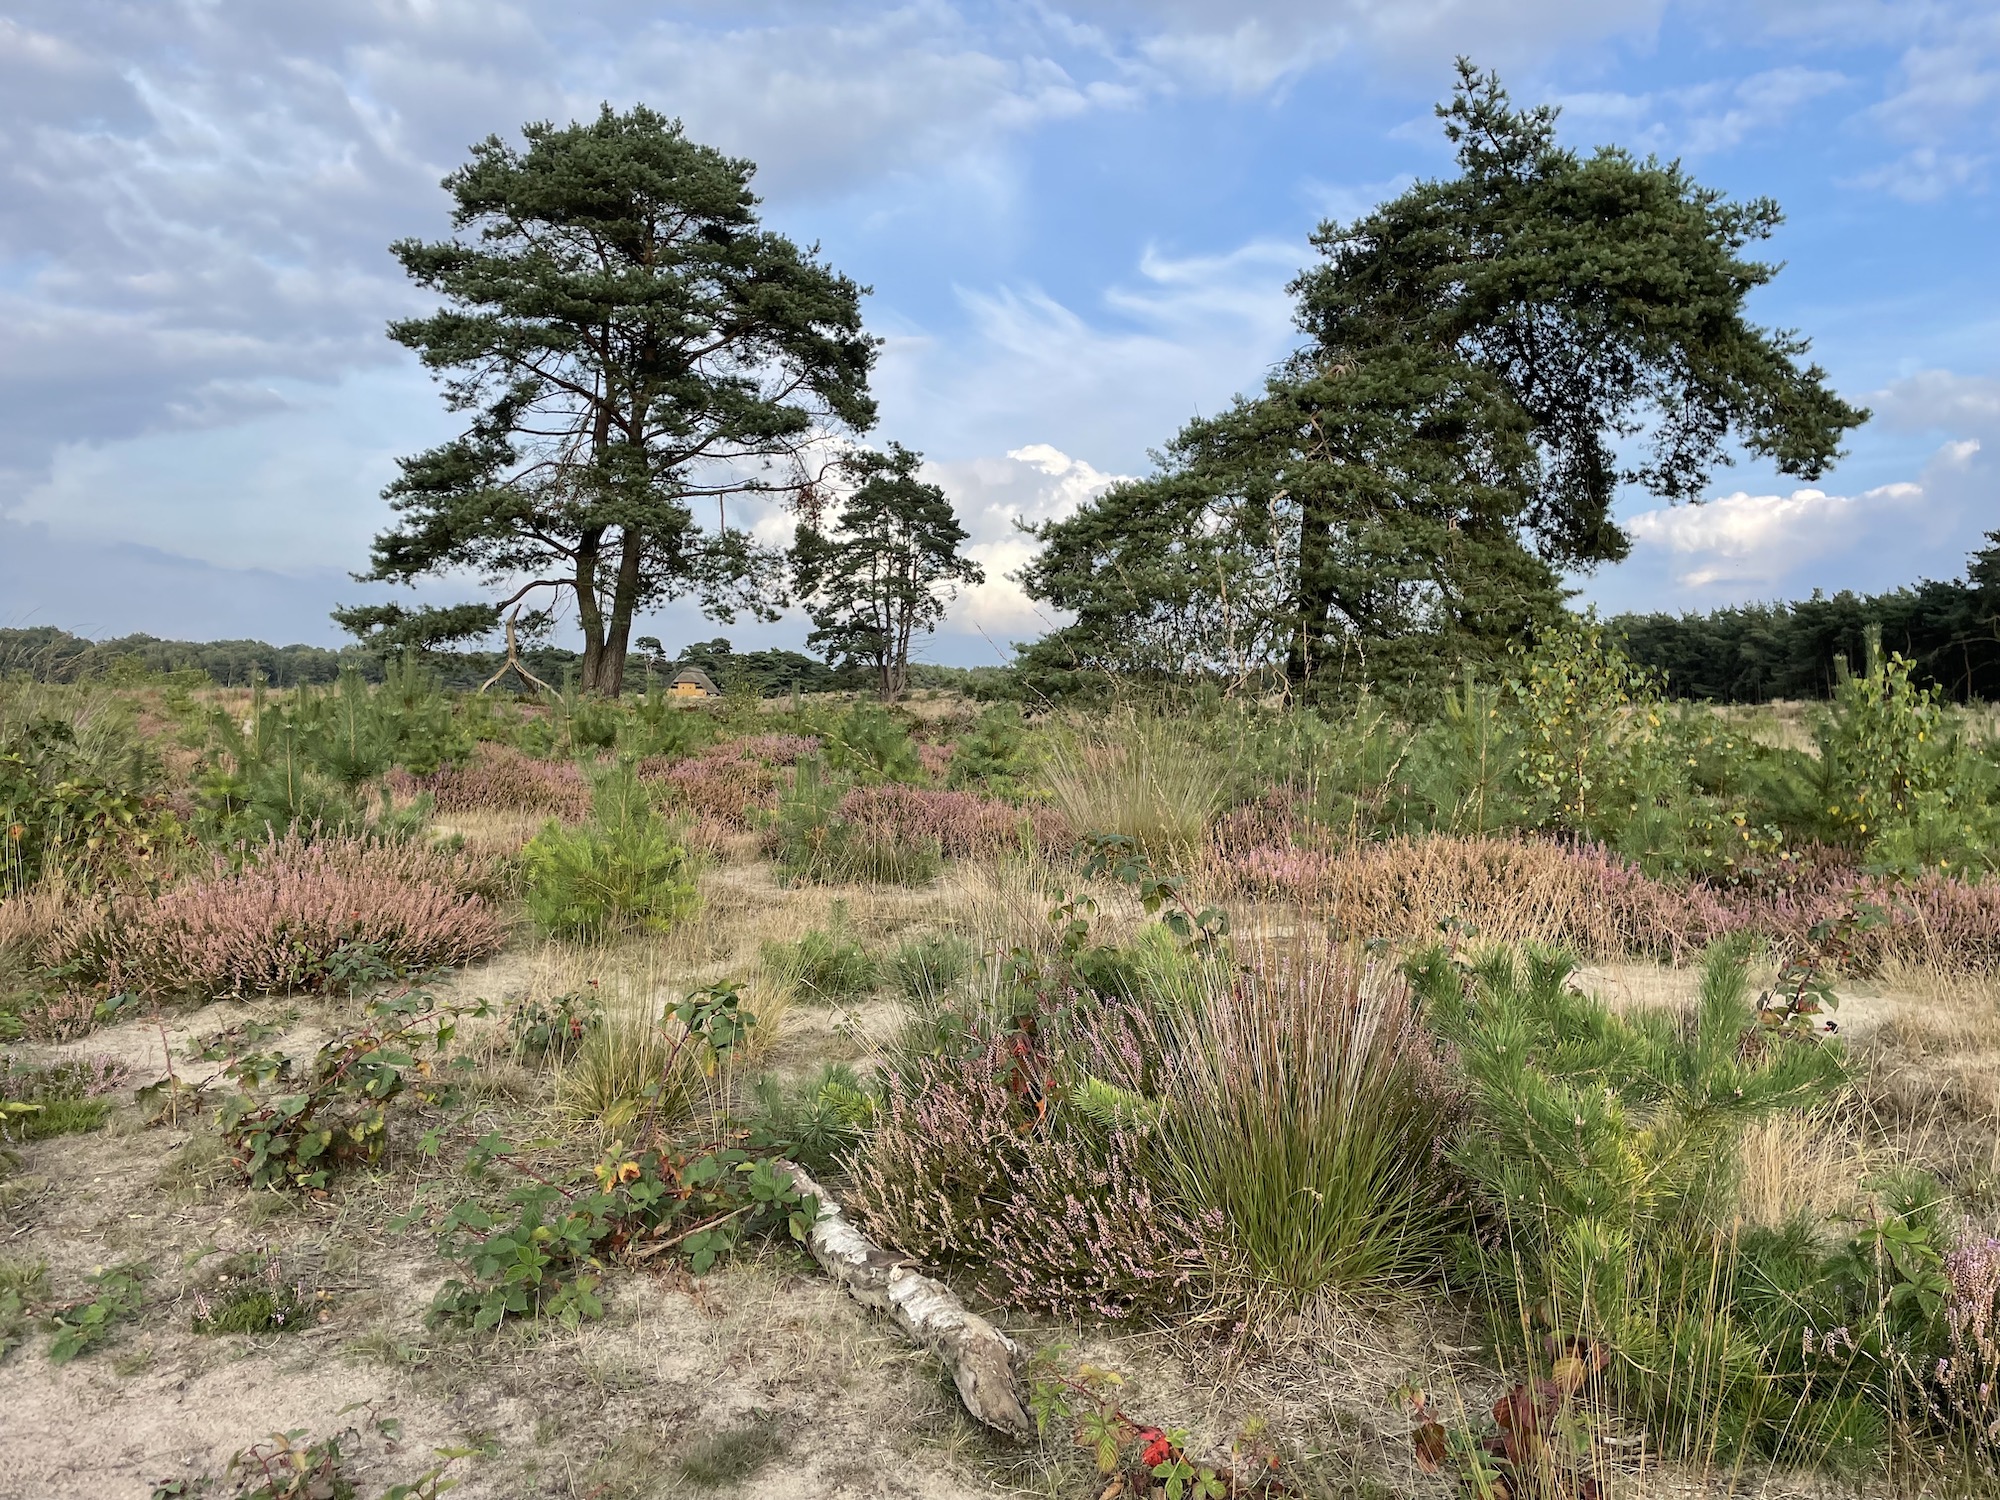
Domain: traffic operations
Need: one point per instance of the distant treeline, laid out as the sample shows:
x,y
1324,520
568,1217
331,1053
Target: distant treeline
x,y
1757,652
51,655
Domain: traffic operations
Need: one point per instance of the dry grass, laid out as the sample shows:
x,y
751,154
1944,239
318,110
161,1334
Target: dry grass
x,y
1140,777
1804,1164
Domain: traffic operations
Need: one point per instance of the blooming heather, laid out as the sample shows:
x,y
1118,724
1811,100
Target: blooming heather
x,y
278,922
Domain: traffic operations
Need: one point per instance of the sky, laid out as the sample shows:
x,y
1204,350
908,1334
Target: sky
x,y
1077,218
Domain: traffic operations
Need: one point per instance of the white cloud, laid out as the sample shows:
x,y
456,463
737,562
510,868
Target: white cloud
x,y
1744,545
1940,400
1761,539
1248,46
1111,380
1923,174
994,498
1699,120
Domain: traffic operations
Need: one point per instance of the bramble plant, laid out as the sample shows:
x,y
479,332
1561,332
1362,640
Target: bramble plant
x,y
291,1466
1542,1444
338,1115
1134,1458
85,1323
551,1030
545,1255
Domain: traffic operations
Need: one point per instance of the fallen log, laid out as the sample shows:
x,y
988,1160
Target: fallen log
x,y
979,1356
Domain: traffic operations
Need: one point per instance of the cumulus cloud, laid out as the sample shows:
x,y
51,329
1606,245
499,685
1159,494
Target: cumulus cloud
x,y
1111,378
1940,400
1745,545
1761,539
994,498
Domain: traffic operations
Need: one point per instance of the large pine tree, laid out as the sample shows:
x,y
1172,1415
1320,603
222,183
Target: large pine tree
x,y
1489,358
633,348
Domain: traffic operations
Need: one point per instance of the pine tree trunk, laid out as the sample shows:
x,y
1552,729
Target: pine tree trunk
x,y
588,616
616,633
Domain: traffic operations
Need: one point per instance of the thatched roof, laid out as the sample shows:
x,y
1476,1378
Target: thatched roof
x,y
694,676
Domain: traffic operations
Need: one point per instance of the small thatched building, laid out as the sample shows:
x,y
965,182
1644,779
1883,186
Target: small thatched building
x,y
694,683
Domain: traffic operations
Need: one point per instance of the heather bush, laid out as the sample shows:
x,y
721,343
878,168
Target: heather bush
x,y
1967,1374
500,777
1045,1210
960,825
812,841
294,915
624,868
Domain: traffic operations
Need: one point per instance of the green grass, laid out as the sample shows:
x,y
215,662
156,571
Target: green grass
x,y
59,1099
824,965
731,1455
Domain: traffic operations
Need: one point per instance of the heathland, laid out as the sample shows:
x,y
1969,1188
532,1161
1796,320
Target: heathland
x,y
1565,1094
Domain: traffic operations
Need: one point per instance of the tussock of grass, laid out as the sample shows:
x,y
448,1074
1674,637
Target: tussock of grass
x,y
1145,778
731,1455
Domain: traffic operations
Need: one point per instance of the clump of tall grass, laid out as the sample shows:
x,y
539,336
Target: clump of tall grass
x,y
1305,1112
825,965
625,868
1145,778
639,1068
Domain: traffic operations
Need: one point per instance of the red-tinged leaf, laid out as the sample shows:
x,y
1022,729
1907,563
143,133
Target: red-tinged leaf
x,y
1432,1447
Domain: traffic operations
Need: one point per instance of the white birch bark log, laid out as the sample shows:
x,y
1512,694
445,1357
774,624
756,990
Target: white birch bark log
x,y
979,1356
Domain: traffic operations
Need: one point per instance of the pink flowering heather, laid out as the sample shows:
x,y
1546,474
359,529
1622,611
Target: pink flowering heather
x,y
503,778
935,759
1967,1379
961,1173
772,749
724,787
276,924
960,824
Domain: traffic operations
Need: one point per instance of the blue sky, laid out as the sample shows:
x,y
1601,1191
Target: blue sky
x,y
1078,220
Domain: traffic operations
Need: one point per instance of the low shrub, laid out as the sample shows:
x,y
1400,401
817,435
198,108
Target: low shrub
x,y
115,1296
1602,1150
725,784
817,1122
300,915
1045,1209
551,1030
252,1294
812,841
297,1126
500,777
544,1253
960,825
623,869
